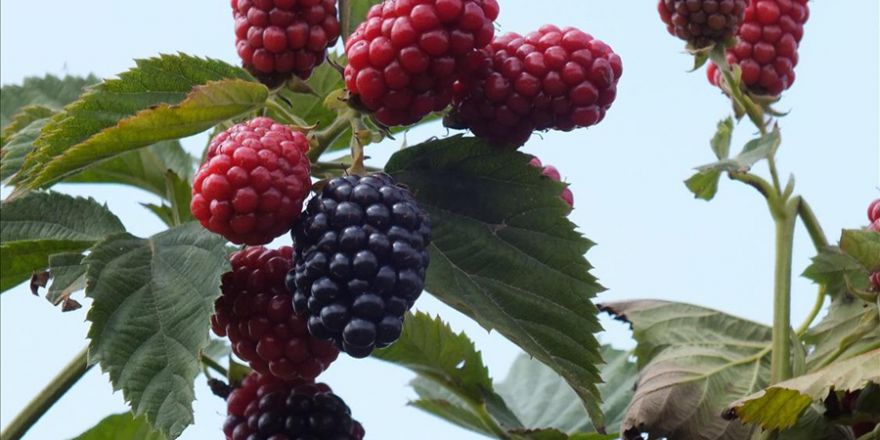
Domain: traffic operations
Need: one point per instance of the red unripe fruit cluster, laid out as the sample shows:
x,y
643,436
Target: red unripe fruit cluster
x,y
553,78
767,47
255,312
702,22
284,36
404,58
253,182
552,173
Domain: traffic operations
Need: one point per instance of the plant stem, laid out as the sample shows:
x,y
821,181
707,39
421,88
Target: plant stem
x,y
774,174
47,397
808,217
780,361
327,135
817,306
210,363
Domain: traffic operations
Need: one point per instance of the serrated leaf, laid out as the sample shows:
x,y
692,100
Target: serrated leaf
x,y
34,227
505,253
721,140
431,349
121,426
779,406
17,147
310,107
542,399
150,317
864,246
830,267
753,152
352,13
144,168
552,434
68,276
842,320
22,119
49,91
163,98
456,413
704,184
693,361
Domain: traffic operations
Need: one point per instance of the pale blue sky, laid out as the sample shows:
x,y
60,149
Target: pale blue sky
x,y
654,239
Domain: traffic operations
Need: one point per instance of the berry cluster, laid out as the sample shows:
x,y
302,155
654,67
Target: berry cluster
x,y
360,261
403,60
874,218
553,78
277,38
256,314
253,182
767,46
702,22
552,173
263,408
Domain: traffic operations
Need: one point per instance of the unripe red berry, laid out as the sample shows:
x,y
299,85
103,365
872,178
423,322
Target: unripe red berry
x,y
253,182
552,173
702,22
256,314
767,47
553,78
279,38
404,58
874,211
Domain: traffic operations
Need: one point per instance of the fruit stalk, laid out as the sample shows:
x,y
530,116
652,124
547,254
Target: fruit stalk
x,y
780,360
41,403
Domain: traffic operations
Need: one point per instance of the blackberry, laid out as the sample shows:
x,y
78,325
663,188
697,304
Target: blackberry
x,y
767,46
253,182
264,408
702,22
550,172
404,58
553,78
360,261
255,313
278,38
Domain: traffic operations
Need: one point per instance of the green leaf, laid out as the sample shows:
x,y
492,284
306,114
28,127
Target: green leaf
x,y
34,227
163,98
693,362
831,267
505,253
542,399
144,168
842,321
864,246
17,147
704,184
22,119
753,152
431,349
310,107
150,317
68,276
48,91
121,426
779,406
352,13
552,434
721,140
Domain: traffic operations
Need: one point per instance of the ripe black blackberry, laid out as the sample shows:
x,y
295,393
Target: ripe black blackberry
x,y
264,408
360,261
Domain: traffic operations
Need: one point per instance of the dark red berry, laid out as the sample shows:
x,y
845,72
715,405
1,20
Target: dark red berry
x,y
767,45
360,263
279,38
702,22
404,58
253,182
265,408
553,174
553,78
874,211
875,280
255,312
